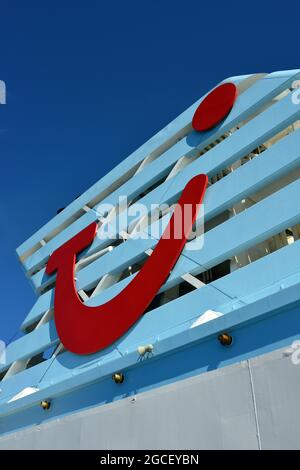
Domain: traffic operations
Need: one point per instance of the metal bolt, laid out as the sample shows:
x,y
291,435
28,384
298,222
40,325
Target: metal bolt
x,y
225,339
118,377
45,404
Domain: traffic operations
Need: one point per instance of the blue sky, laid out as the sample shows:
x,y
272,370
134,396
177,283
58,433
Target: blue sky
x,y
90,81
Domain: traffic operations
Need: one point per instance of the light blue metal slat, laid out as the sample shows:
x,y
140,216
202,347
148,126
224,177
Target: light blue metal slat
x,y
43,303
25,378
270,216
246,180
31,344
246,104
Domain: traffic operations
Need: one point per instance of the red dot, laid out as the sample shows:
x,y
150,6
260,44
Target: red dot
x,y
215,107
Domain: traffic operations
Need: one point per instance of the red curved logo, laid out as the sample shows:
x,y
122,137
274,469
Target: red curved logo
x,y
86,330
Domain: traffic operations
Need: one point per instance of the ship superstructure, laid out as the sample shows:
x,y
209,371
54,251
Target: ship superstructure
x,y
213,361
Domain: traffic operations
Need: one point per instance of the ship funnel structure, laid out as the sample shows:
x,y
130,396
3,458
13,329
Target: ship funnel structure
x,y
173,283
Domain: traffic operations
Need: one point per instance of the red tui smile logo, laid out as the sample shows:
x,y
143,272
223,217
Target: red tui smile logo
x,y
86,330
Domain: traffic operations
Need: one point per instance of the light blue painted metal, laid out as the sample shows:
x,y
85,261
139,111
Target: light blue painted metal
x,y
259,302
194,351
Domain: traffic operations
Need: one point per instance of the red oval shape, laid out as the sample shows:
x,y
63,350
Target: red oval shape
x,y
215,107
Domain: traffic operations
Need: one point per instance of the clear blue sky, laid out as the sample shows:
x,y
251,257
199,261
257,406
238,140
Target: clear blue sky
x,y
90,81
